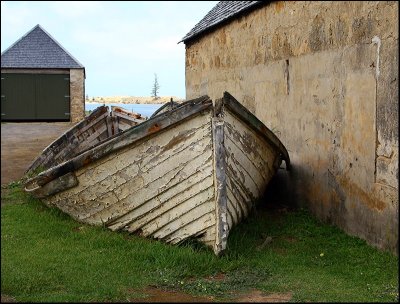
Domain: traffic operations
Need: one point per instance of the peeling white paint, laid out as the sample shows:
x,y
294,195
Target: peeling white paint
x,y
376,40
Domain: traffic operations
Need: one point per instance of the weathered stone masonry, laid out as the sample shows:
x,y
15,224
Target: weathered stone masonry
x,y
324,77
77,94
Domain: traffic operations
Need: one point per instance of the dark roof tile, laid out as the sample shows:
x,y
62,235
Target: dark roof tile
x,y
223,11
37,49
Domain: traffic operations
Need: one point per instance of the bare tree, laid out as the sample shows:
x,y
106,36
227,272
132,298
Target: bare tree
x,y
156,87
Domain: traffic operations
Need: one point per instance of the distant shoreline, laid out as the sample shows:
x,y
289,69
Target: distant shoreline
x,y
132,99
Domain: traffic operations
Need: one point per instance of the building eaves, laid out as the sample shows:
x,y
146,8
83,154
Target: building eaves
x,y
222,12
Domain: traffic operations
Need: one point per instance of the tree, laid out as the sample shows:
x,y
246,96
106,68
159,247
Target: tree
x,y
155,88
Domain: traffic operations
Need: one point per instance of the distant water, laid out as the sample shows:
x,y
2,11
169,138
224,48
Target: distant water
x,y
144,109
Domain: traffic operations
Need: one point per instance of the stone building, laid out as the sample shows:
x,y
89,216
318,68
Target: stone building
x,y
41,81
324,76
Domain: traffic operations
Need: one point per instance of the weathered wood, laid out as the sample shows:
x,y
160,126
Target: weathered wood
x,y
91,124
96,182
53,154
133,115
131,193
159,205
114,123
139,132
128,117
93,138
247,117
191,172
169,106
174,186
220,186
251,161
62,183
109,126
122,126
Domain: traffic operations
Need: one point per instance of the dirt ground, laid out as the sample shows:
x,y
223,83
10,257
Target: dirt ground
x,y
155,295
22,142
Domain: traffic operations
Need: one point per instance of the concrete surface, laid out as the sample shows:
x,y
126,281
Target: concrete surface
x,y
21,143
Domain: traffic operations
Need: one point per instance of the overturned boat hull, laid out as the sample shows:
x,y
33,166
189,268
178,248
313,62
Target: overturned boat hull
x,y
192,172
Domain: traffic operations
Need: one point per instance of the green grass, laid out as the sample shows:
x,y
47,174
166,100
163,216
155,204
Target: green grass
x,y
48,257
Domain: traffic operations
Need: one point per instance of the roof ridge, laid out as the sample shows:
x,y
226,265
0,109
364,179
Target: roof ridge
x,y
37,48
23,36
59,44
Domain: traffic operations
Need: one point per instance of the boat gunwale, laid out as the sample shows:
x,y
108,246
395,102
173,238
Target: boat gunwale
x,y
171,103
139,132
252,121
99,111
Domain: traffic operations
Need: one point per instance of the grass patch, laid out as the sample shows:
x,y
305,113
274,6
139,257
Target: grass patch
x,y
12,194
48,257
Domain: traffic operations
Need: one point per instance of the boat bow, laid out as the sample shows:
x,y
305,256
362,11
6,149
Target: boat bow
x,y
194,171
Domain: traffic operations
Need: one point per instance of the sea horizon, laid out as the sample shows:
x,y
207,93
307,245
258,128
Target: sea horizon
x,y
143,109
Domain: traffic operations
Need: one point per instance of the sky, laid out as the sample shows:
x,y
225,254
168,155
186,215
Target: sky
x,y
121,44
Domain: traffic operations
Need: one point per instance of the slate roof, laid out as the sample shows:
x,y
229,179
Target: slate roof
x,y
222,12
37,49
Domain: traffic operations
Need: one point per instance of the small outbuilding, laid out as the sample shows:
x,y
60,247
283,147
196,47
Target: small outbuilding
x,y
41,81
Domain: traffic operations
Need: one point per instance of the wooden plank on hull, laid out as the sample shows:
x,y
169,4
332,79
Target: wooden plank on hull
x,y
148,155
232,105
234,211
183,220
170,222
46,158
93,124
240,195
139,132
164,202
172,171
109,126
151,184
220,185
194,228
128,118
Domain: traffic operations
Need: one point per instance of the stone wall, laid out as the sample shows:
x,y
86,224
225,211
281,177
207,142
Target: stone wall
x,y
324,77
77,94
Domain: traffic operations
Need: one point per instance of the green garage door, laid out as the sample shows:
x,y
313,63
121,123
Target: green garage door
x,y
40,97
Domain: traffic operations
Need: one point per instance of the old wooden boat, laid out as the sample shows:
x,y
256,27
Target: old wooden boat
x,y
99,125
166,107
192,172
